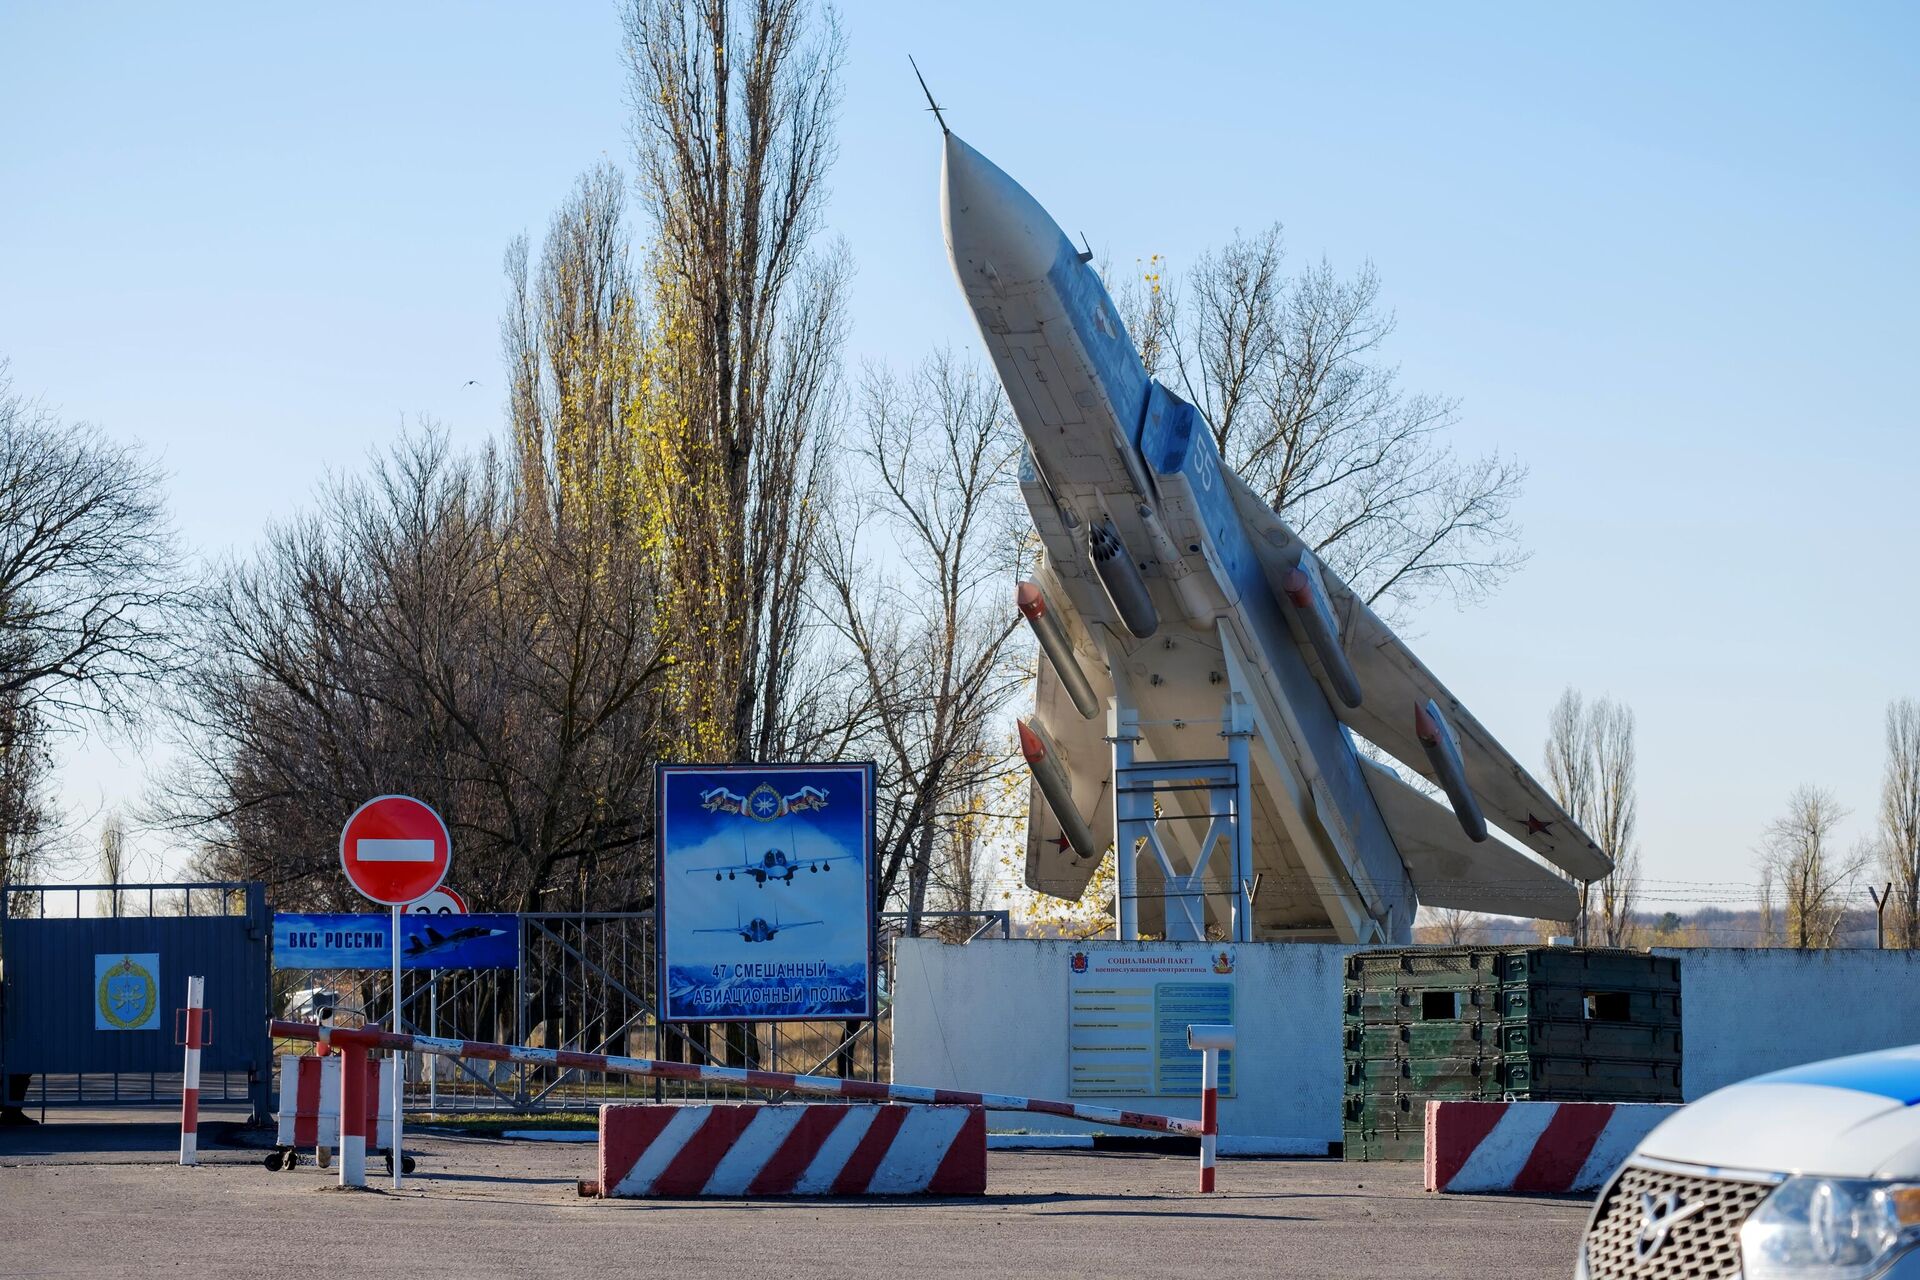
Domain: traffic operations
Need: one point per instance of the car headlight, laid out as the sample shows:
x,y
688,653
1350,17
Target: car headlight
x,y
1829,1229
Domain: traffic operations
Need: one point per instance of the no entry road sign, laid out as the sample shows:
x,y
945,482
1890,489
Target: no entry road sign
x,y
394,850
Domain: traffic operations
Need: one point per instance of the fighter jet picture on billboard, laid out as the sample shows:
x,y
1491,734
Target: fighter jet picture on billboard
x,y
764,888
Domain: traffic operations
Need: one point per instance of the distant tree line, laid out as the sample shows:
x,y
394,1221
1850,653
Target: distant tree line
x,y
1809,889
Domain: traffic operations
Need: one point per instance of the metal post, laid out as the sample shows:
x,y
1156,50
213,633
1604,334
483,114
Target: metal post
x,y
1123,731
1880,901
1239,734
1209,1114
433,1029
1210,1040
399,1058
190,1080
520,1015
353,1106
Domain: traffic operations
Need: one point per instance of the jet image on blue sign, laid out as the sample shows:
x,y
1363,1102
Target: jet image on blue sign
x,y
773,864
757,929
431,940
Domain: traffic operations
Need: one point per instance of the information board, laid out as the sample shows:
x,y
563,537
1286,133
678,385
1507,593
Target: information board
x,y
426,941
1129,1009
764,892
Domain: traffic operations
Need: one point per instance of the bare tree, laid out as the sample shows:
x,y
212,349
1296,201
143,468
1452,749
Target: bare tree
x,y
1454,926
113,862
1900,817
576,361
1591,767
419,632
933,644
91,579
1289,372
1615,813
733,122
1570,769
1796,852
27,825
1768,933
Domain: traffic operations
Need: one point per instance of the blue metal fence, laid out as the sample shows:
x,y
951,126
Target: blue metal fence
x,y
89,1004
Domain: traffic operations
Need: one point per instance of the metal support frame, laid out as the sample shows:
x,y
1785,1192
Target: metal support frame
x,y
1139,787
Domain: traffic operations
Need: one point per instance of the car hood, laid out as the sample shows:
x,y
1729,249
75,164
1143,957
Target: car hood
x,y
1852,1117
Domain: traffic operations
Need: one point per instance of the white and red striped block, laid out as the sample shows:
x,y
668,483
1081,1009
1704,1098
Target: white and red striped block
x,y
753,1149
310,1102
1533,1146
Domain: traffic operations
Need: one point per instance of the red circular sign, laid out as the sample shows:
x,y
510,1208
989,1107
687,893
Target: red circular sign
x,y
441,902
395,849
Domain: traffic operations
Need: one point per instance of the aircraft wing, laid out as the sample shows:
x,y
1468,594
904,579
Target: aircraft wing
x,y
742,865
797,924
1393,682
1451,870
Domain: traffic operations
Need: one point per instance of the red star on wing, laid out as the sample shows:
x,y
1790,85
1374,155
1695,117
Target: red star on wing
x,y
1059,842
1535,827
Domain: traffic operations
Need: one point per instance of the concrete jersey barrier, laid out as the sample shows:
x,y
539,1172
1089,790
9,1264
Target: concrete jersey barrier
x,y
819,1149
1533,1146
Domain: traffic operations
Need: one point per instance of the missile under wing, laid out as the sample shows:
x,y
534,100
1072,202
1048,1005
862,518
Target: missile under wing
x,y
1174,601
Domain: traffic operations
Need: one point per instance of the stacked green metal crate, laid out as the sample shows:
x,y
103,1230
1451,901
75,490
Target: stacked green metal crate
x,y
1560,1024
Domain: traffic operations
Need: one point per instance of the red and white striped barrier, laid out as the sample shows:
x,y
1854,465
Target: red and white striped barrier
x,y
310,1101
1533,1146
831,1086
757,1149
362,1039
190,1080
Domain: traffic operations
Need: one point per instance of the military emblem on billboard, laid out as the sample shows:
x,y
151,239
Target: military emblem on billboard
x,y
126,992
764,892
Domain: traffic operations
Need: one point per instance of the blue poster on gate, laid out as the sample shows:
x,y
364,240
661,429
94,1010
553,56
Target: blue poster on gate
x,y
426,941
764,892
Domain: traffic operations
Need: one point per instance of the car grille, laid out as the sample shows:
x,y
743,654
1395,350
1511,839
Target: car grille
x,y
1703,1245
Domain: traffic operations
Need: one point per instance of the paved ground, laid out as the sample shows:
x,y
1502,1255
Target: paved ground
x,y
102,1199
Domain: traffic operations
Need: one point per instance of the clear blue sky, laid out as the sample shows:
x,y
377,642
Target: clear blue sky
x,y
1664,254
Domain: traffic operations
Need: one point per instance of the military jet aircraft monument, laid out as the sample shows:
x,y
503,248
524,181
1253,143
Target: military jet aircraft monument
x,y
1211,688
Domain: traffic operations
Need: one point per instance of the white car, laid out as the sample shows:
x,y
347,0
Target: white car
x,y
1812,1173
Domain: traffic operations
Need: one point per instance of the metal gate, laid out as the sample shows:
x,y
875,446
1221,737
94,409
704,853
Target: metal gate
x,y
89,1004
586,982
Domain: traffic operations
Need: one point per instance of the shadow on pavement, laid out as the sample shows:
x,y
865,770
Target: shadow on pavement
x,y
108,1137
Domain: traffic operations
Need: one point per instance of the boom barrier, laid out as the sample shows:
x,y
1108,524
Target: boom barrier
x,y
829,1086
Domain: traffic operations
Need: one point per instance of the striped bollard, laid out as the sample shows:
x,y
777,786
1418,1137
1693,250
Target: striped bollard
x,y
190,1081
353,1106
1210,1039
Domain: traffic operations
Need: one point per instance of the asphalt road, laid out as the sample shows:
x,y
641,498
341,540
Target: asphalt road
x,y
80,1199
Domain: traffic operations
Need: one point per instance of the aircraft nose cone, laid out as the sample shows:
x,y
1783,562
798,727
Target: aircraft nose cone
x,y
994,229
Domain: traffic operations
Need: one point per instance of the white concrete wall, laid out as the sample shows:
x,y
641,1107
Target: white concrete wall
x,y
1745,1011
992,1017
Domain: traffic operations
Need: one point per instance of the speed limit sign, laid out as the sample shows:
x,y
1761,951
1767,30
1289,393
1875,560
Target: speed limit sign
x,y
441,902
